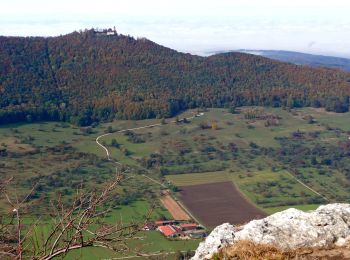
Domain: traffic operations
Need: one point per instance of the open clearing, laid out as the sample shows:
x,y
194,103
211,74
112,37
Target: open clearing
x,y
197,178
217,203
175,210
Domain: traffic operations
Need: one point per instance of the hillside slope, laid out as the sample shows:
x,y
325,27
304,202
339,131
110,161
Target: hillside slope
x,y
86,77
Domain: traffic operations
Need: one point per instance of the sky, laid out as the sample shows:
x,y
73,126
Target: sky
x,y
194,26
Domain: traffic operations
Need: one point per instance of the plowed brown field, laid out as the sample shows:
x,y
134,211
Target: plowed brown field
x,y
218,203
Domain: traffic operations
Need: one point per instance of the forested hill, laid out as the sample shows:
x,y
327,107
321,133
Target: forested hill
x,y
86,77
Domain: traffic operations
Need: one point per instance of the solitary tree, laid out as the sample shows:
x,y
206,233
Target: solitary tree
x,y
232,110
114,143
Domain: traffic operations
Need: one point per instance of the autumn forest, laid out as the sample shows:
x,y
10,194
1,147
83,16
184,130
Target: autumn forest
x,y
87,77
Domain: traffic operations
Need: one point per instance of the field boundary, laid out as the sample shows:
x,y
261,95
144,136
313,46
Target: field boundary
x,y
189,212
246,197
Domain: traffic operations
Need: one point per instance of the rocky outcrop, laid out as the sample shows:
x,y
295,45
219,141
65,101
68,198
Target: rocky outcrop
x,y
292,229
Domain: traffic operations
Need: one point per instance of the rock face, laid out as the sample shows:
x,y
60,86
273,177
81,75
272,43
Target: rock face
x,y
220,237
324,227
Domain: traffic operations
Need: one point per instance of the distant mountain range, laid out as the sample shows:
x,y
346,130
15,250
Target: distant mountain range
x,y
303,58
101,75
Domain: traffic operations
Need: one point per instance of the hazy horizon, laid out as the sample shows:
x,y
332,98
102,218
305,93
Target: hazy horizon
x,y
197,27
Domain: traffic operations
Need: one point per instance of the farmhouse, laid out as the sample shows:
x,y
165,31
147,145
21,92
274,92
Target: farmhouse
x,y
170,231
193,230
188,226
184,230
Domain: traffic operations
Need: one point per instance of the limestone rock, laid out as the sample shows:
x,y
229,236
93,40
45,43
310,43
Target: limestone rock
x,y
325,227
220,237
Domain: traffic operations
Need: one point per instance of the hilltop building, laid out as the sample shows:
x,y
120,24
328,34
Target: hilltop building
x,y
108,31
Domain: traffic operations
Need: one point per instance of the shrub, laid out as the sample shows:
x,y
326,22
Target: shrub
x,y
114,143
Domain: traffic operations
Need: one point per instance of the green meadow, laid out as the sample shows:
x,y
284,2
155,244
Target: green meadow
x,y
265,152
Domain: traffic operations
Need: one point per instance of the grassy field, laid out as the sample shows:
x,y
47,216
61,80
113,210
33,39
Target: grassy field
x,y
267,188
300,207
181,144
336,120
136,212
198,178
151,242
259,158
231,128
38,154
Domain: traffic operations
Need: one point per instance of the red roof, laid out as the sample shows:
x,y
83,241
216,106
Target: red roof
x,y
167,230
188,225
164,222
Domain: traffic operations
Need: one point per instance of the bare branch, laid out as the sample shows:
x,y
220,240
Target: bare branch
x,y
79,225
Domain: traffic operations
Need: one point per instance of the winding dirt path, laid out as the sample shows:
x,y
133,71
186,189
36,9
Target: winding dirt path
x,y
132,129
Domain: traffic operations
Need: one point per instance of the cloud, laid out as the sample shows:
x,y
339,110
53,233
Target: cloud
x,y
192,26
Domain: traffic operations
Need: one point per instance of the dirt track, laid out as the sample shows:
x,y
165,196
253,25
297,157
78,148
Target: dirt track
x,y
175,210
218,203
